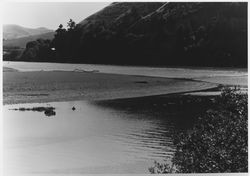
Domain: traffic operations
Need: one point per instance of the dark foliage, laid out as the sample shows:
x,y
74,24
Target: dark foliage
x,y
218,143
11,53
39,50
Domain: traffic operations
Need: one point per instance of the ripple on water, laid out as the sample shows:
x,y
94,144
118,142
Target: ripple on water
x,y
92,136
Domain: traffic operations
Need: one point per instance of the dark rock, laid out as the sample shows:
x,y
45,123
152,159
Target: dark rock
x,y
49,112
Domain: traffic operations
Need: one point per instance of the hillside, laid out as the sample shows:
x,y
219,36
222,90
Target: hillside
x,y
158,33
12,31
116,9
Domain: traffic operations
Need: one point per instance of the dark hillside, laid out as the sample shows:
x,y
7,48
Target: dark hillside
x,y
116,9
158,33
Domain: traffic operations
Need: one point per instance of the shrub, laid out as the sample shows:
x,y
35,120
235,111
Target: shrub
x,y
217,143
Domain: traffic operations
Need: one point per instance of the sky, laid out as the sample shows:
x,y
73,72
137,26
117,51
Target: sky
x,y
48,14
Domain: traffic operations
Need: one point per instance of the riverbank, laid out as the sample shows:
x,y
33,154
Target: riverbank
x,y
230,77
48,86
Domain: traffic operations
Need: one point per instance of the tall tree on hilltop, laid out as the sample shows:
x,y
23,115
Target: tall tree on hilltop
x,y
59,42
71,25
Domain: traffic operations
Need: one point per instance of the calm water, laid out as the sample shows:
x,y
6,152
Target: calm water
x,y
92,139
97,138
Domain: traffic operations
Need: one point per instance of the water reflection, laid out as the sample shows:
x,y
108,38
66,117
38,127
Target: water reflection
x,y
105,137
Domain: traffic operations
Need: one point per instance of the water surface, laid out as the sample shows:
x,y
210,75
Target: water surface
x,y
96,138
91,139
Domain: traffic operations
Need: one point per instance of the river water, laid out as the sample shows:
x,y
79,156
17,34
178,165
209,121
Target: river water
x,y
90,139
95,138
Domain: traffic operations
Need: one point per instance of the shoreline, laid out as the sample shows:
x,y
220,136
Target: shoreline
x,y
168,95
240,69
42,86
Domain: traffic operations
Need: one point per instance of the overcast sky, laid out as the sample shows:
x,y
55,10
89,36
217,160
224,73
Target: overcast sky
x,y
48,14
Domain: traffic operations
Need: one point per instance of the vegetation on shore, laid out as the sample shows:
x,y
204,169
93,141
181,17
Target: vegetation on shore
x,y
12,53
217,143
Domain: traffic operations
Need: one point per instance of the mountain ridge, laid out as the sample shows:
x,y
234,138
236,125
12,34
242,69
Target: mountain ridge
x,y
22,41
14,31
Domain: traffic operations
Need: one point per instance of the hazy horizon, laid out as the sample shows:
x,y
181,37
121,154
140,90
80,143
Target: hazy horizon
x,y
48,14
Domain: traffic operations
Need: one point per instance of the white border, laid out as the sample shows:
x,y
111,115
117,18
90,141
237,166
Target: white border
x,y
36,1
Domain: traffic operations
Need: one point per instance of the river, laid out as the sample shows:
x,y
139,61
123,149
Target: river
x,y
98,138
93,138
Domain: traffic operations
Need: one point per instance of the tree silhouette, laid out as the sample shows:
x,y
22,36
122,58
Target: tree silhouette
x,y
71,25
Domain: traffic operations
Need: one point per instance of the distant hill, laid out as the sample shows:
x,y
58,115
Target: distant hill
x,y
12,31
18,37
21,42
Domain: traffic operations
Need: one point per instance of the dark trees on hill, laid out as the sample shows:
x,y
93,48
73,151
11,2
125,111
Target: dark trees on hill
x,y
59,42
39,50
60,49
66,42
11,53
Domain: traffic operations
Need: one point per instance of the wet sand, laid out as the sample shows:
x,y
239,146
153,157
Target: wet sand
x,y
47,86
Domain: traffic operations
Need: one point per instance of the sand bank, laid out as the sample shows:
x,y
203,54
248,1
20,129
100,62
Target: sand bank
x,y
47,86
8,69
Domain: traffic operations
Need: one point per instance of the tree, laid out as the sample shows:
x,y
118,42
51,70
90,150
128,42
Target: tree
x,y
60,31
38,50
71,25
66,42
59,42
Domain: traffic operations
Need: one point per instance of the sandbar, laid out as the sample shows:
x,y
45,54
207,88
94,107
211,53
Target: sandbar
x,y
49,86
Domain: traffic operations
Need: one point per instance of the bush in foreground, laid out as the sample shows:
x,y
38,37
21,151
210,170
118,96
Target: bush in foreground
x,y
218,143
